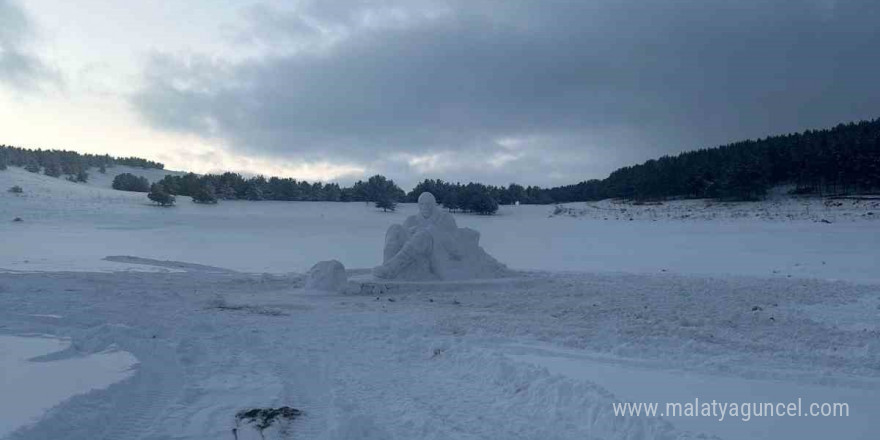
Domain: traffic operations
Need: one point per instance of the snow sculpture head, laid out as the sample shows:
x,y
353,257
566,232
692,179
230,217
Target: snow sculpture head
x,y
427,204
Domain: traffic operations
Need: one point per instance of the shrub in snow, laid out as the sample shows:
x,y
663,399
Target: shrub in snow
x,y
328,276
16,190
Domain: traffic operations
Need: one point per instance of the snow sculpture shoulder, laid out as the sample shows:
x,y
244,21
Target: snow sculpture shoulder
x,y
327,276
430,246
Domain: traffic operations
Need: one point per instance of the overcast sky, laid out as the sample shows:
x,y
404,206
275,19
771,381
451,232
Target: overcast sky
x,y
540,92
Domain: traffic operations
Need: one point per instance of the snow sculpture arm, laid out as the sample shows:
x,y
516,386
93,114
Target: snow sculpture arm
x,y
446,234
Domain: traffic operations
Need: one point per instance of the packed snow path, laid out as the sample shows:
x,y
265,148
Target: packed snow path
x,y
402,361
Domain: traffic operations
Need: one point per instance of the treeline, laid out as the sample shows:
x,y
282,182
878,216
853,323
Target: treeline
x,y
210,188
137,162
234,186
840,160
477,197
56,163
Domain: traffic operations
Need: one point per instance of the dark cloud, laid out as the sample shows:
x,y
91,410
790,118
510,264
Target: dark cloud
x,y
535,91
18,67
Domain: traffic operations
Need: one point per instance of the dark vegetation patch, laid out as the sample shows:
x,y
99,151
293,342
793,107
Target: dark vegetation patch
x,y
221,304
263,418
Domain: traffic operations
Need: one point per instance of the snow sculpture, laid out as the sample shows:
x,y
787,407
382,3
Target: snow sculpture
x,y
328,276
430,246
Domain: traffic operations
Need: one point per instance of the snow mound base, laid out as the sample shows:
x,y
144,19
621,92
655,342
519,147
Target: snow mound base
x,y
327,276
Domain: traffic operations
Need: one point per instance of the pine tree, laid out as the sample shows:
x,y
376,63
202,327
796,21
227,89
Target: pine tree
x,y
253,192
226,192
205,194
386,203
52,169
483,203
130,182
450,200
159,195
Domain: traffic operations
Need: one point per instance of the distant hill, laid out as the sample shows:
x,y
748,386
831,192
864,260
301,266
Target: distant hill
x,y
56,163
840,160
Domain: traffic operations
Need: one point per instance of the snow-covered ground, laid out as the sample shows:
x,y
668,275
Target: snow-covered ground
x,y
776,208
70,226
210,301
26,361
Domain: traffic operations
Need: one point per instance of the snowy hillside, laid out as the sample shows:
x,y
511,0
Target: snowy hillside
x,y
204,310
38,186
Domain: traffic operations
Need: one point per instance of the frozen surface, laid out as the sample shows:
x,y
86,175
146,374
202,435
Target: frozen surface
x,y
29,387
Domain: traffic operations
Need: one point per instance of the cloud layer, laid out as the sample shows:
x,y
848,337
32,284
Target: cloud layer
x,y
540,92
20,68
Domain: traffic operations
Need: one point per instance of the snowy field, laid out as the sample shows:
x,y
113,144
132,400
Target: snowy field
x,y
207,305
74,226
